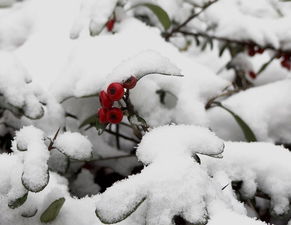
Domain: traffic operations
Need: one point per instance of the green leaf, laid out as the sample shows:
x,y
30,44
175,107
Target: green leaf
x,y
160,13
29,214
265,65
100,127
91,120
197,158
18,202
222,49
52,211
248,133
121,217
35,189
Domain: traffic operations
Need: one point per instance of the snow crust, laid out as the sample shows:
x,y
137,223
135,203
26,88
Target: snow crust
x,y
74,145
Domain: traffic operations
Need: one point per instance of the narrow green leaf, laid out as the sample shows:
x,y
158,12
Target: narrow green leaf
x,y
197,40
265,65
52,211
121,217
91,120
100,127
204,45
222,49
29,214
197,158
18,202
160,13
248,133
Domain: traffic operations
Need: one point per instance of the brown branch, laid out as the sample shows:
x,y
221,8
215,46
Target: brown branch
x,y
114,157
239,42
50,147
179,27
122,136
225,94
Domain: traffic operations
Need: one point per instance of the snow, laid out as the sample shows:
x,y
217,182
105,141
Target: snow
x,y
268,26
153,63
35,169
15,86
10,173
160,179
265,109
74,145
254,163
93,16
50,65
233,218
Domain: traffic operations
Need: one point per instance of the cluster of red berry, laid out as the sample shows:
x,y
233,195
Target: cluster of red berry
x,y
115,91
253,50
286,61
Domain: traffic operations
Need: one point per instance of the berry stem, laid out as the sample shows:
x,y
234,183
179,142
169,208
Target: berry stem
x,y
117,136
122,136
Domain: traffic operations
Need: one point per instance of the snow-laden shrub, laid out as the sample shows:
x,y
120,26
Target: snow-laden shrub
x,y
194,139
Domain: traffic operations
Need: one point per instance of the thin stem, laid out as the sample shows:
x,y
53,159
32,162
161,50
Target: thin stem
x,y
50,147
226,94
114,157
178,28
117,136
239,42
122,136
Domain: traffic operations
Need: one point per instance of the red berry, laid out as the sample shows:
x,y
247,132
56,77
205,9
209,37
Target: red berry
x,y
287,57
286,64
252,74
251,51
115,91
260,50
105,100
110,24
102,115
130,82
114,115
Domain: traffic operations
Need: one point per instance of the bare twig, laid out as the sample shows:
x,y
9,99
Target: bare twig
x,y
114,157
179,27
50,147
122,136
239,42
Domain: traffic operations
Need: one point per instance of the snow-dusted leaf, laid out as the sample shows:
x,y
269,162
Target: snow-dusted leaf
x,y
18,202
93,14
160,13
121,217
153,63
19,96
168,180
35,174
29,213
37,182
124,200
74,145
248,133
196,140
52,211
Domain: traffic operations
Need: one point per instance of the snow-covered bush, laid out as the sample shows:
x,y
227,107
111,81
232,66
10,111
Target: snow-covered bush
x,y
145,112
